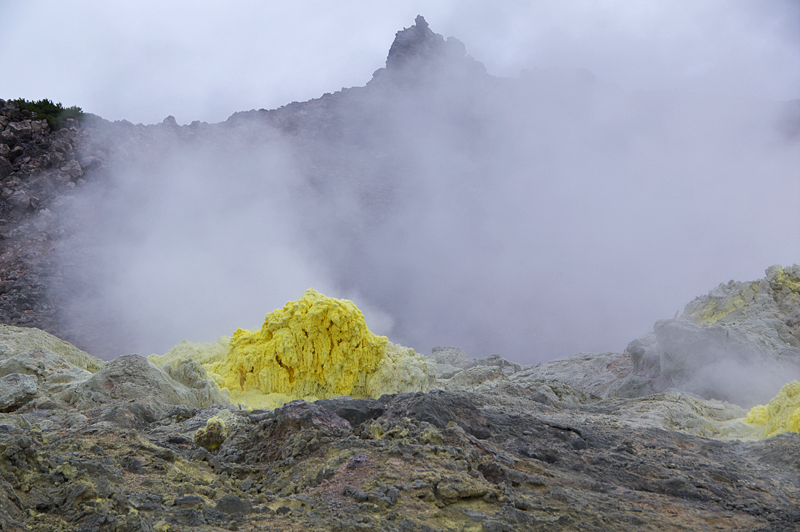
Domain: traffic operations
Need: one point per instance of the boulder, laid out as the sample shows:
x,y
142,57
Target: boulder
x,y
73,169
505,365
191,374
53,372
452,356
19,199
131,377
355,411
439,408
443,371
21,131
473,378
15,391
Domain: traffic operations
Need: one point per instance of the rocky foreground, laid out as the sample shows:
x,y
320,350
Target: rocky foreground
x,y
590,442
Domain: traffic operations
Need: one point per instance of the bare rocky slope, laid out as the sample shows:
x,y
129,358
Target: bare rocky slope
x,y
648,439
126,445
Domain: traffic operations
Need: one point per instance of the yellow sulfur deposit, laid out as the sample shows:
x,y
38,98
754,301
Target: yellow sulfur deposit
x,y
792,282
781,414
717,309
212,435
314,348
201,352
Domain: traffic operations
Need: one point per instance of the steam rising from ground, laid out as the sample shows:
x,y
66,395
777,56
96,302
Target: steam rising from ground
x,y
533,217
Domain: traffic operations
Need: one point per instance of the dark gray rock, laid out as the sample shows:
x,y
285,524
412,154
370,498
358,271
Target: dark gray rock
x,y
16,390
439,408
5,167
233,505
355,411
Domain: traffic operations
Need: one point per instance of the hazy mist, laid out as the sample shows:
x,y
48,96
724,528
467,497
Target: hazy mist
x,y
534,215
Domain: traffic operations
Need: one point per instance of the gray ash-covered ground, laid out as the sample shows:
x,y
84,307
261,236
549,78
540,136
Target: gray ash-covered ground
x,y
126,445
436,461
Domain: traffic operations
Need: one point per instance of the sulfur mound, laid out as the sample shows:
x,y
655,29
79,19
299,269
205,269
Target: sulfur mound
x,y
781,414
314,348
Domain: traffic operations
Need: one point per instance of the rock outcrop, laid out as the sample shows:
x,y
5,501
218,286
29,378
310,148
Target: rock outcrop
x,y
420,56
37,166
739,343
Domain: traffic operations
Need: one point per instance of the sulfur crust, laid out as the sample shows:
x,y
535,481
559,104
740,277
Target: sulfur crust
x,y
781,414
314,348
787,280
716,310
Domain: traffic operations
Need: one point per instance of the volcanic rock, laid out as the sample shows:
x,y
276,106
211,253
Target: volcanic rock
x,y
129,452
15,391
131,377
740,343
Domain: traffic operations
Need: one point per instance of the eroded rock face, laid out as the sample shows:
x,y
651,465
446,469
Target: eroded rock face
x,y
37,167
739,343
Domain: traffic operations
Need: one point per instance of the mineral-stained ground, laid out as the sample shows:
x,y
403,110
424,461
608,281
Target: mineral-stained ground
x,y
129,447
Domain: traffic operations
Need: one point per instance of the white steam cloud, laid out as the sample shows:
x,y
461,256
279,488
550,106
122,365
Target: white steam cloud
x,y
534,216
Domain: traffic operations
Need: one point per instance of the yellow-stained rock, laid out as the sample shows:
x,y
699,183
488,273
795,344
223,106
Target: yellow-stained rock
x,y
717,309
789,279
781,414
212,435
316,346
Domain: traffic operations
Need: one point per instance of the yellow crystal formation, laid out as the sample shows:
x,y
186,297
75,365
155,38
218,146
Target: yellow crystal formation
x,y
212,435
781,414
316,346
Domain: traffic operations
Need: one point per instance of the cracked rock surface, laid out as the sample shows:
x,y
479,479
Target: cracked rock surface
x,y
90,450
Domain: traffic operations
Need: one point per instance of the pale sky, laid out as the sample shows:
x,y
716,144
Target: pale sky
x,y
201,60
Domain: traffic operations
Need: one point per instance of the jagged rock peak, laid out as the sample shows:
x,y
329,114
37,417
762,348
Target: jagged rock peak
x,y
417,50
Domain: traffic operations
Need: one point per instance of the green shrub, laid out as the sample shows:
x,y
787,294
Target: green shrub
x,y
54,113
